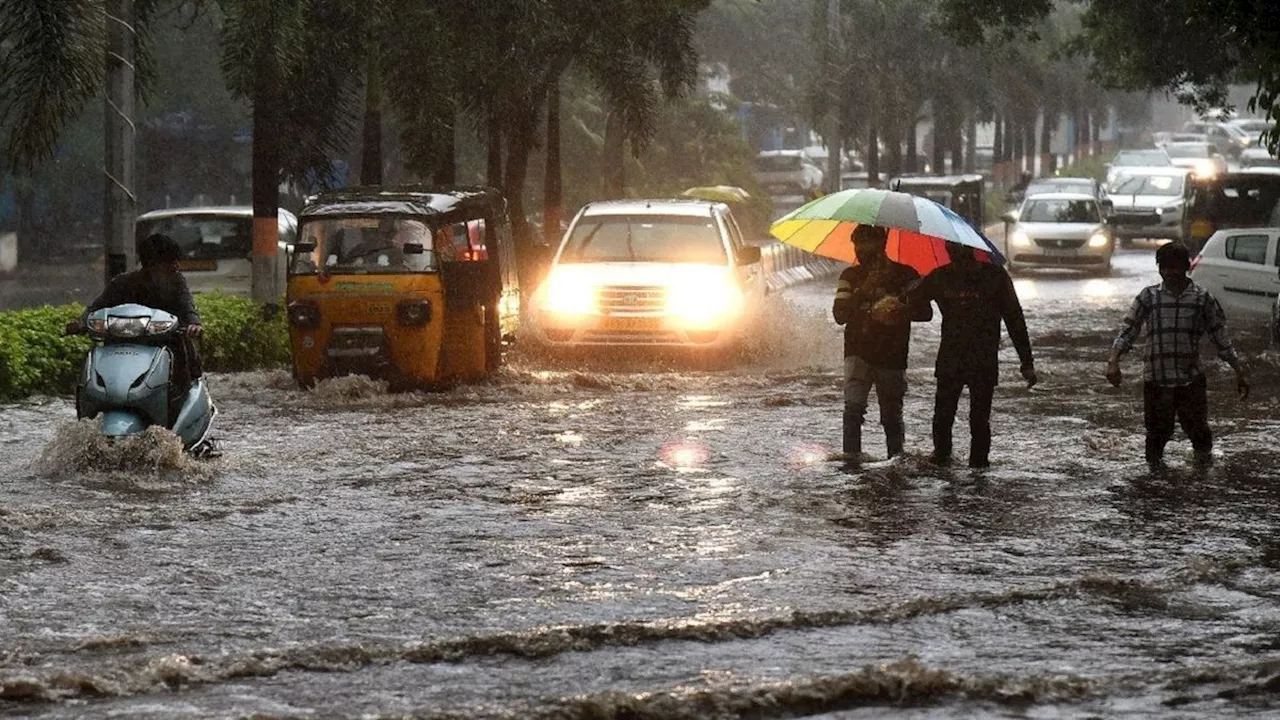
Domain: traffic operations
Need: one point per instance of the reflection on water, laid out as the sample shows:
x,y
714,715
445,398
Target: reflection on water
x,y
649,541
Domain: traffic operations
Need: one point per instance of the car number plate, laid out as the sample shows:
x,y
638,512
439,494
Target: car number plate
x,y
632,324
1060,252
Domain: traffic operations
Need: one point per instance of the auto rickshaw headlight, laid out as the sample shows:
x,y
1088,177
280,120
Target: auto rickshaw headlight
x,y
413,313
304,315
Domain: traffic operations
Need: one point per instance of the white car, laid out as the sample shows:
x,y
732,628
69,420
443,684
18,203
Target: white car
x,y
217,244
1198,157
787,172
1239,266
1059,230
1150,203
651,273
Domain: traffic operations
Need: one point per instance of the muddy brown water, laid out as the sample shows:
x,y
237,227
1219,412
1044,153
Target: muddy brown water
x,y
638,539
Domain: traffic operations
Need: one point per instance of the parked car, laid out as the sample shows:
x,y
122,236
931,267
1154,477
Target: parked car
x,y
787,172
650,273
1160,140
1258,157
1087,186
217,244
1239,266
1253,126
1149,203
1135,159
1228,139
1198,157
1059,230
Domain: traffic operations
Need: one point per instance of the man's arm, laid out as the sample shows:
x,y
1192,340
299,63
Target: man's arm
x,y
1014,321
919,307
186,304
1131,327
1216,325
113,294
844,306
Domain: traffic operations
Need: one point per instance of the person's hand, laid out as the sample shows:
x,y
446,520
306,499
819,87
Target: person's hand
x,y
195,331
74,327
1029,374
888,310
1242,385
1113,372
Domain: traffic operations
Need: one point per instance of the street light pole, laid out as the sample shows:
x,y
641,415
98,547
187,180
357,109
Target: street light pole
x,y
834,132
121,204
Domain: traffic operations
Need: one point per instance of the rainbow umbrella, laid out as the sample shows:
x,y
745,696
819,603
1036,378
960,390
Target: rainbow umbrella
x,y
919,228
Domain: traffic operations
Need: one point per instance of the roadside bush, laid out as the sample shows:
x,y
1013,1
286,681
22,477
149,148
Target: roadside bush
x,y
36,359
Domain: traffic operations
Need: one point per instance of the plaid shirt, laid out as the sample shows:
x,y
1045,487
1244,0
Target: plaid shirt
x,y
1175,324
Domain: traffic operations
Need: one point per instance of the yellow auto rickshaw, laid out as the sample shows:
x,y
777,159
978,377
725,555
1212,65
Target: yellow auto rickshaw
x,y
412,285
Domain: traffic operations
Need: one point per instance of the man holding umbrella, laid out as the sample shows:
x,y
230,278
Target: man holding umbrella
x,y
877,330
974,298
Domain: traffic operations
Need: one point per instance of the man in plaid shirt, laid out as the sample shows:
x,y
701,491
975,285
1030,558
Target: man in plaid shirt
x,y
1176,314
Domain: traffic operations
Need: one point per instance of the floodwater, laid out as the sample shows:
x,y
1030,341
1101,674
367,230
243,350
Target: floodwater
x,y
644,541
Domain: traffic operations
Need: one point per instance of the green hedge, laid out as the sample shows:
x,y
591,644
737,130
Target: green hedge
x,y
35,358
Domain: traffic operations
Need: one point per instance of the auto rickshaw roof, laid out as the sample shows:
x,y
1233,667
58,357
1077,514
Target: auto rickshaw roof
x,y
445,203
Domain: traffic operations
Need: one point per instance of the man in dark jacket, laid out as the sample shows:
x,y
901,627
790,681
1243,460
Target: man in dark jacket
x,y
973,297
157,284
877,329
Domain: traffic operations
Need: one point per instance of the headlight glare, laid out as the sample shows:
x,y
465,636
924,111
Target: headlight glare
x,y
1098,241
704,302
568,294
1020,238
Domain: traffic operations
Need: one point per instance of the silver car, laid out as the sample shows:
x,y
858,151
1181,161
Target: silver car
x,y
1059,230
1150,203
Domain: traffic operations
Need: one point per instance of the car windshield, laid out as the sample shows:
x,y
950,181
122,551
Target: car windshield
x,y
644,238
1060,211
1188,150
1142,158
366,245
778,163
204,236
1147,185
1042,187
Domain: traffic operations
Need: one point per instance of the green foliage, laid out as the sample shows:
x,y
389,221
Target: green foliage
x,y
237,336
36,359
1094,167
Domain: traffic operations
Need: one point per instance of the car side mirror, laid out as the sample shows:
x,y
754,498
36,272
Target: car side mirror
x,y
749,255
413,248
1108,208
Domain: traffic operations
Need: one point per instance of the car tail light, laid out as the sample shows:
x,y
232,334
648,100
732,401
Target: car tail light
x,y
414,313
304,315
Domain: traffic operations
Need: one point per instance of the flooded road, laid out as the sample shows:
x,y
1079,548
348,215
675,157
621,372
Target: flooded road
x,y
646,541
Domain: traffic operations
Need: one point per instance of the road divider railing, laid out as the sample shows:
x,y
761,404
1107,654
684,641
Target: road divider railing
x,y
786,265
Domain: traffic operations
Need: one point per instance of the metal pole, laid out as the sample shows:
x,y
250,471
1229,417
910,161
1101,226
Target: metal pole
x,y
835,143
121,204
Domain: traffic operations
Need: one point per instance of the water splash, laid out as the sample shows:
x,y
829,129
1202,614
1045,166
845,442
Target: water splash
x,y
79,449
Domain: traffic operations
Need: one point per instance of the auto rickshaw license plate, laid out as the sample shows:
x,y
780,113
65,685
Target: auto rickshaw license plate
x,y
378,308
632,324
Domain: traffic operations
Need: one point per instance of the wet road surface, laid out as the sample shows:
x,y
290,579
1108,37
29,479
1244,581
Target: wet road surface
x,y
641,540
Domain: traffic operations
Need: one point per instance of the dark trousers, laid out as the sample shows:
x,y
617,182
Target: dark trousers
x,y
947,401
1188,404
891,387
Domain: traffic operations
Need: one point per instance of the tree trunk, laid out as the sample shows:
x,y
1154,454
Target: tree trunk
x,y
519,147
371,152
552,191
913,154
121,204
614,160
446,170
957,145
939,143
493,172
1047,163
893,144
873,157
971,145
266,152
997,152
1015,150
1029,161
1095,136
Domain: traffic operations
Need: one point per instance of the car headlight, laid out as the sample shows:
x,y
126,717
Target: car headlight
x,y
1020,238
702,302
1098,240
569,294
1206,168
127,327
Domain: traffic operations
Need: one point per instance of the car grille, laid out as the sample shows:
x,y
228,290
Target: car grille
x,y
1136,217
615,299
623,337
1060,244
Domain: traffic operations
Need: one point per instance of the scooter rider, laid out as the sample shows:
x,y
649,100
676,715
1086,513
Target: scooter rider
x,y
157,284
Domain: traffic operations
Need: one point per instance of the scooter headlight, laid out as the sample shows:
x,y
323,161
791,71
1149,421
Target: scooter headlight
x,y
160,327
127,327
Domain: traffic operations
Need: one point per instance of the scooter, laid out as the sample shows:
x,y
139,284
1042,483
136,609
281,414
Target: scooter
x,y
125,383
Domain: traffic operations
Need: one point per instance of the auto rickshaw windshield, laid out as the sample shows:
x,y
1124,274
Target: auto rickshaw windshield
x,y
365,245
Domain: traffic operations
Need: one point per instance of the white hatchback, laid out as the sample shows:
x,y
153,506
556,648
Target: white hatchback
x,y
655,273
1241,268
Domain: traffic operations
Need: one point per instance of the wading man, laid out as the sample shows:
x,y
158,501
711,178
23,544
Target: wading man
x,y
877,329
974,298
1176,315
